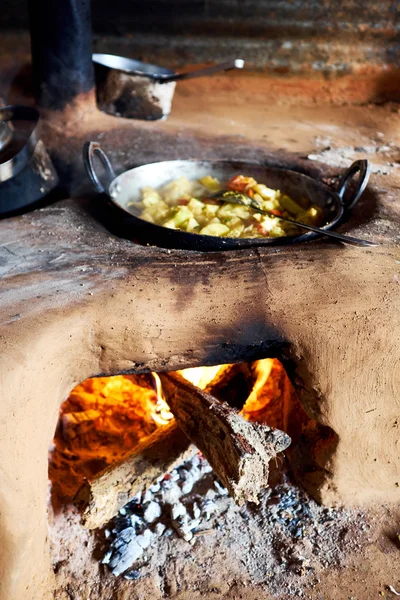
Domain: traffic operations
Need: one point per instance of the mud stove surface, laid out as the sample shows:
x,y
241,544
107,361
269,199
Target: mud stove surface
x,y
77,301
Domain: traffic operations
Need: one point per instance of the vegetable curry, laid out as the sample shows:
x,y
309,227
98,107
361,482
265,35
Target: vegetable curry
x,y
189,206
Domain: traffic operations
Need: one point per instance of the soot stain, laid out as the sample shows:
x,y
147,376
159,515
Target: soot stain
x,y
246,340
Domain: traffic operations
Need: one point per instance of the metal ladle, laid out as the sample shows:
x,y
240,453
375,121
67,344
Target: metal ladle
x,y
245,200
226,66
157,73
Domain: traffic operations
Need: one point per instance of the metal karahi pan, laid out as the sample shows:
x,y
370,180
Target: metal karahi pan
x,y
126,188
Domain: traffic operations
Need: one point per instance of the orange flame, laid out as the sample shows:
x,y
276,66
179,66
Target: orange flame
x,y
202,376
161,414
103,419
270,395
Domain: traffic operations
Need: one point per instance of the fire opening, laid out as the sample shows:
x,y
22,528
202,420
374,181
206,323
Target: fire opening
x,y
122,465
106,418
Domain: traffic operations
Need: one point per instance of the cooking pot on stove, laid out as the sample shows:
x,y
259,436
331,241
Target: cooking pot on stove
x,y
133,89
126,188
27,174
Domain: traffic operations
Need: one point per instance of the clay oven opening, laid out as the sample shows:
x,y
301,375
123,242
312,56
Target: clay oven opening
x,y
123,467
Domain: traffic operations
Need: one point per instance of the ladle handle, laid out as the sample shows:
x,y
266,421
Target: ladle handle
x,y
90,150
363,168
347,239
238,63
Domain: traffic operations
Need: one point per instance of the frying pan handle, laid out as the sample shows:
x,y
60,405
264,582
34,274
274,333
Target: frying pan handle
x,y
90,150
363,168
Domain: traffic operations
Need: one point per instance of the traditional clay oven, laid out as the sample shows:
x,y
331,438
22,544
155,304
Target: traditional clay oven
x,y
79,302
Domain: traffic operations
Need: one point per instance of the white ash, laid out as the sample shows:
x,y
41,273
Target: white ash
x,y
287,532
383,155
152,512
127,548
166,507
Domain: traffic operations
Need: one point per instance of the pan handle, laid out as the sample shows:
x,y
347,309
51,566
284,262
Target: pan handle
x,y
363,168
90,150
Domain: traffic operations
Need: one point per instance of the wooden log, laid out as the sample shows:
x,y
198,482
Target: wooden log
x,y
102,497
238,451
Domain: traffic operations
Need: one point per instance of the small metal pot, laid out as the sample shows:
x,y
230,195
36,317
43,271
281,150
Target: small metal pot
x,y
137,90
126,188
26,172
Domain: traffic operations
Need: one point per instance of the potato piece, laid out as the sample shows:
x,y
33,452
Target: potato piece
x,y
312,216
232,222
173,191
277,231
236,231
268,223
158,211
192,224
150,197
181,215
196,206
258,198
251,232
216,229
265,192
290,205
211,183
170,224
210,210
234,210
271,205
147,216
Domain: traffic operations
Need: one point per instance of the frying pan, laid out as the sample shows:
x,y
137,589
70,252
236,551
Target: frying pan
x,y
126,188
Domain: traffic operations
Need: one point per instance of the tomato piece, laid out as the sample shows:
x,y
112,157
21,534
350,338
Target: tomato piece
x,y
238,183
261,229
276,212
183,201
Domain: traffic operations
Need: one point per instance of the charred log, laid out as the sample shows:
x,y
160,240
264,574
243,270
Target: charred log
x,y
238,451
102,497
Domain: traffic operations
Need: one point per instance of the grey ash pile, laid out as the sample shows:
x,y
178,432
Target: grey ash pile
x,y
286,534
181,503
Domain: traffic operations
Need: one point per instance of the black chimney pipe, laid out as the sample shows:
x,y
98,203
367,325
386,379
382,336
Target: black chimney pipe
x,y
61,41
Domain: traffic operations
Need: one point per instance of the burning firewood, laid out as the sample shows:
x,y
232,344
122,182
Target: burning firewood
x,y
239,451
102,497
